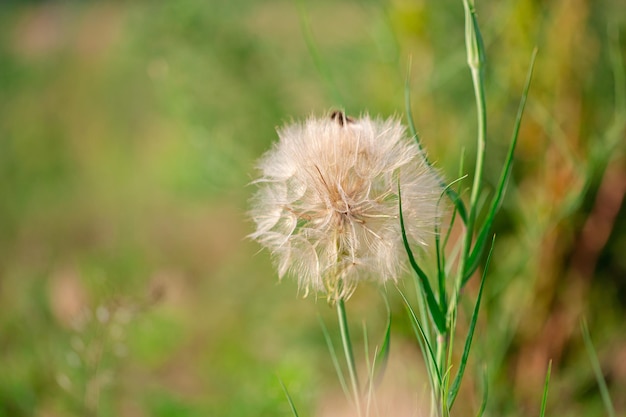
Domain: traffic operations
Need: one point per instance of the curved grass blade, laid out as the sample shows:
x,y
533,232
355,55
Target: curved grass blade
x,y
456,384
370,388
544,399
407,106
333,358
452,195
431,361
619,75
433,307
458,203
441,274
294,411
382,356
597,370
483,404
479,246
317,60
455,211
366,348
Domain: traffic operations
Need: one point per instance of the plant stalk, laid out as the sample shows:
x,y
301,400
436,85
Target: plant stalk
x,y
347,348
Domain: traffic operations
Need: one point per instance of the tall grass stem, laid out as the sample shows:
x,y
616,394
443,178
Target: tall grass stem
x,y
347,348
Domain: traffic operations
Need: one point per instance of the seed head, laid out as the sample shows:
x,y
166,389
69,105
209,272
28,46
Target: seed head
x,y
327,202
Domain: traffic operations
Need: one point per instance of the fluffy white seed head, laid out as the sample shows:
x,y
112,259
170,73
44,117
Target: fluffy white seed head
x,y
327,202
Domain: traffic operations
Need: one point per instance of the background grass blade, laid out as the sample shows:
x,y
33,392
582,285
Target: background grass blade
x,y
544,399
483,404
315,56
619,75
407,107
294,411
441,270
429,355
382,355
334,359
597,370
452,195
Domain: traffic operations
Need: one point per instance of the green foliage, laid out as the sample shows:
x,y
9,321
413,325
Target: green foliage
x,y
597,370
544,399
291,403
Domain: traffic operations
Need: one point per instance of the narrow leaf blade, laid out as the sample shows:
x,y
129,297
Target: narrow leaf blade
x,y
334,359
452,195
597,370
294,411
433,307
456,384
382,355
474,259
544,399
429,354
321,67
483,404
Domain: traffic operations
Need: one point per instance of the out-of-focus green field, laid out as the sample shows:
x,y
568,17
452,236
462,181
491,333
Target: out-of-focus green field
x,y
128,134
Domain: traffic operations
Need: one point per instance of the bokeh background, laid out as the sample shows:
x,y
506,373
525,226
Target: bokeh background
x,y
128,134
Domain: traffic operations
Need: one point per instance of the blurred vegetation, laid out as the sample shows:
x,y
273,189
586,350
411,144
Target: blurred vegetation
x,y
128,134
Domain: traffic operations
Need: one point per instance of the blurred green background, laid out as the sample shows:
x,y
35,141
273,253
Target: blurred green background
x,y
128,134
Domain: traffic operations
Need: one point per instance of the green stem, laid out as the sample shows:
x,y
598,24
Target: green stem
x,y
475,61
347,348
441,357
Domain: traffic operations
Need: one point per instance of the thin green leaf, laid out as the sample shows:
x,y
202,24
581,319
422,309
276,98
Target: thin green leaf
x,y
291,404
454,212
441,253
458,203
427,325
407,106
376,370
617,66
382,356
317,60
597,370
433,307
456,384
449,228
483,404
614,136
479,246
419,332
441,273
366,347
370,386
452,195
333,358
544,399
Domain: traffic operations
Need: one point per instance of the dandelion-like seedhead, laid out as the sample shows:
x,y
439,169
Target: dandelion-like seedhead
x,y
327,202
